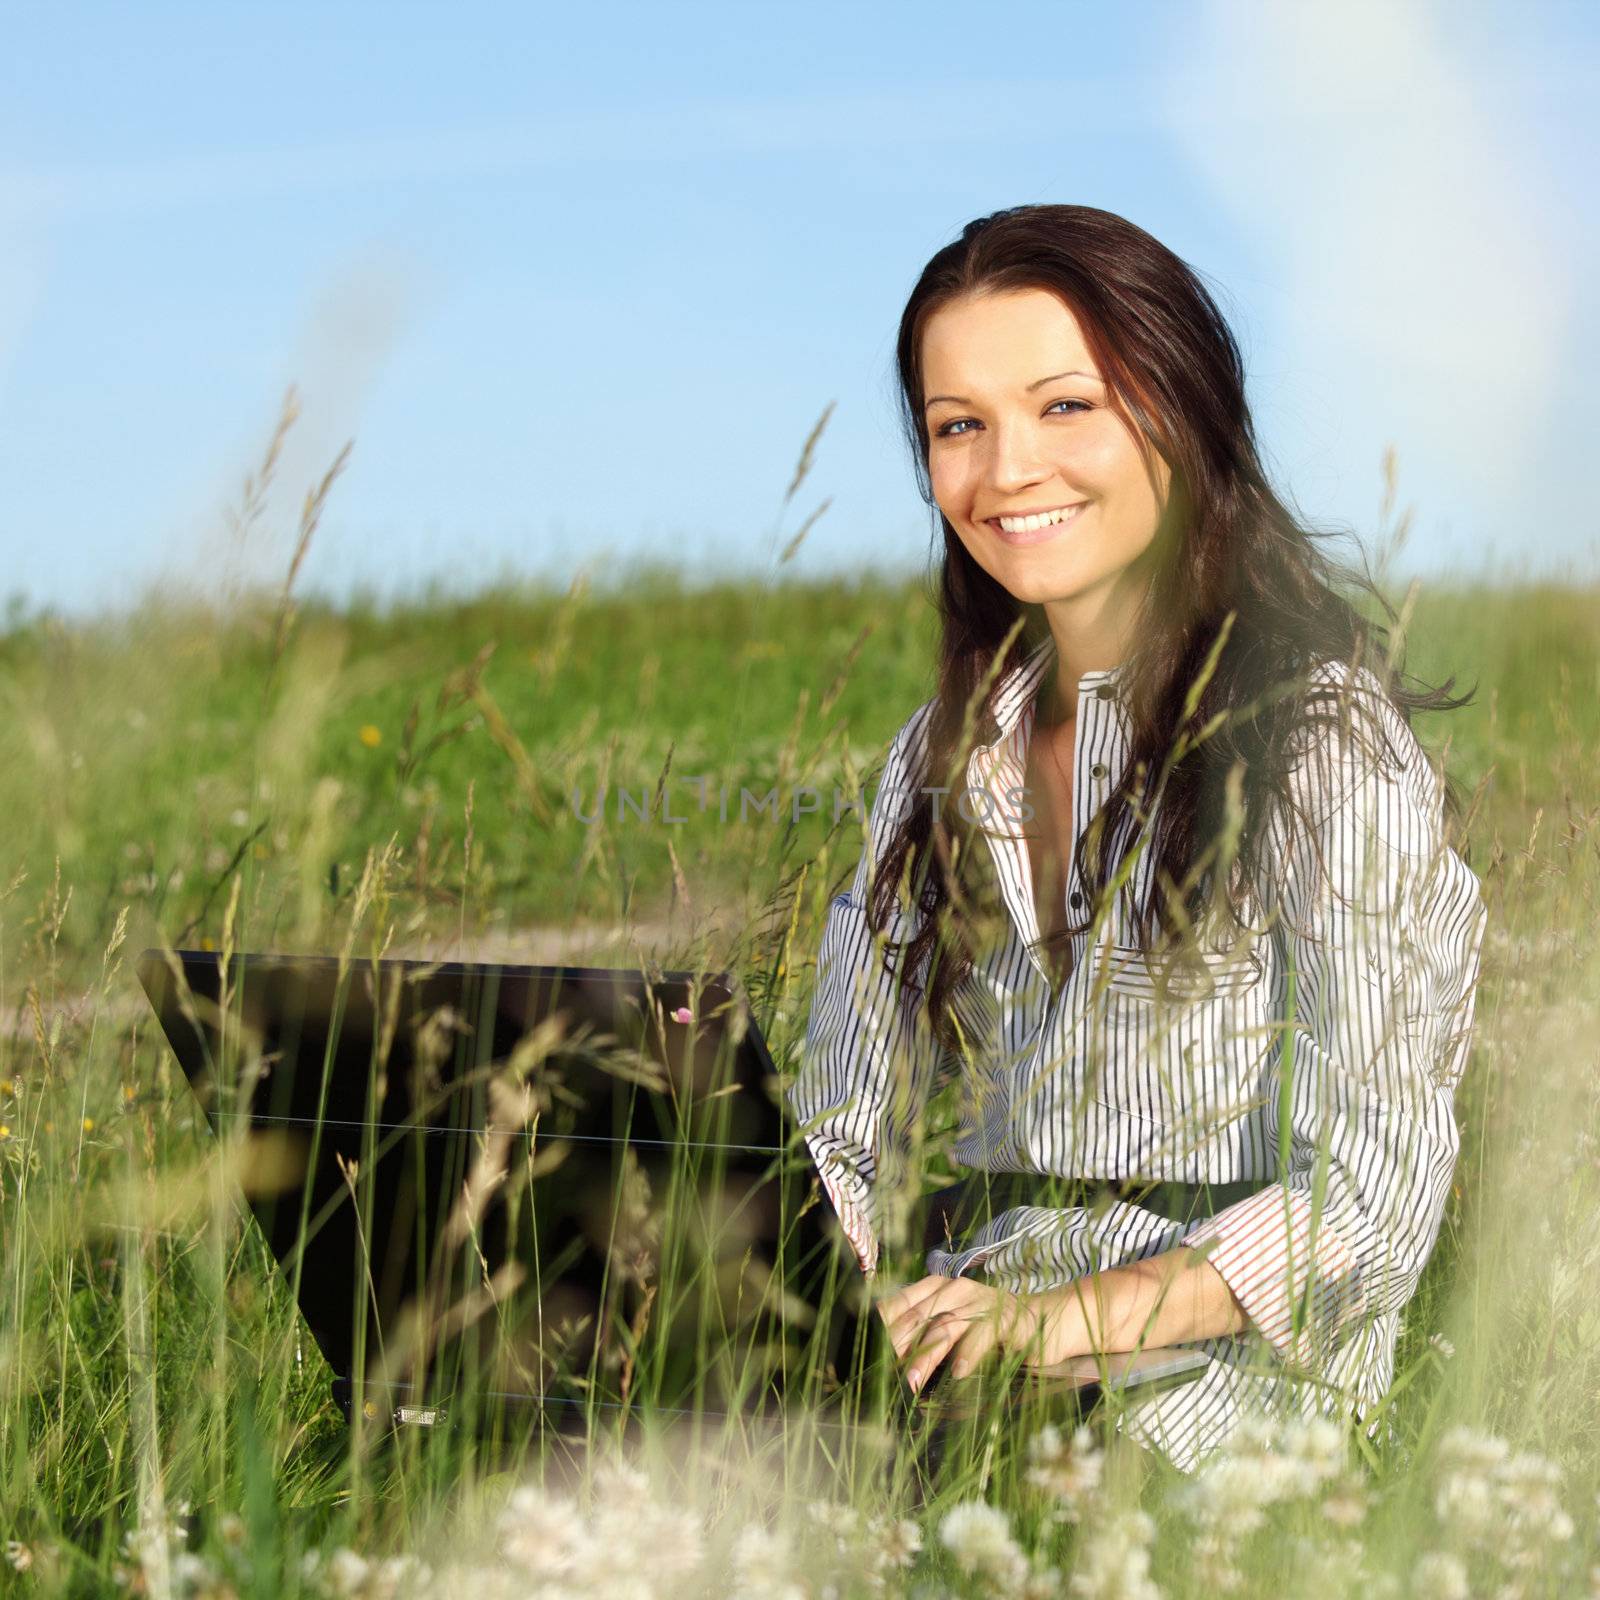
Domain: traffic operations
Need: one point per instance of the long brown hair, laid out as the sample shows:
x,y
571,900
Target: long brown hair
x,y
1242,601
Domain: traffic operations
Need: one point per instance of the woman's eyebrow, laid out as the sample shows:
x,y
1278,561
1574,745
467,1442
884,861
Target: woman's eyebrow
x,y
1038,383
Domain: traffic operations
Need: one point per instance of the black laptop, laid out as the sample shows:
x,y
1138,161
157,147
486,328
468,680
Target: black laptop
x,y
562,1192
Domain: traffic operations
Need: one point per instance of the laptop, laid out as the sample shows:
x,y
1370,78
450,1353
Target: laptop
x,y
545,1193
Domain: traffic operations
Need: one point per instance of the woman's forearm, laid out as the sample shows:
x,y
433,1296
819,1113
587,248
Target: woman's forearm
x,y
1173,1298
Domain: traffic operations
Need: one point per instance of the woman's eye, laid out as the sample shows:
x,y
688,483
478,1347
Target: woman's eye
x,y
948,430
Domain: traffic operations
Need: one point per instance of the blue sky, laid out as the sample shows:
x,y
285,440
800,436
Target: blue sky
x,y
577,280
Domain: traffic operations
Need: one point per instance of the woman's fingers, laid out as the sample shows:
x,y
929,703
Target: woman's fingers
x,y
967,1321
904,1333
932,1343
946,1294
978,1340
1009,1322
892,1306
920,1329
976,1326
1014,1327
929,1319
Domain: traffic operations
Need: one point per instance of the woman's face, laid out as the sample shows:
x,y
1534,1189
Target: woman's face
x,y
1018,424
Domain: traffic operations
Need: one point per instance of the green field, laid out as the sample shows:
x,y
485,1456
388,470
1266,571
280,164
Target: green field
x,y
403,778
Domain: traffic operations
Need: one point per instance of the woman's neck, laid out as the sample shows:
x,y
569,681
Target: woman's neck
x,y
1092,632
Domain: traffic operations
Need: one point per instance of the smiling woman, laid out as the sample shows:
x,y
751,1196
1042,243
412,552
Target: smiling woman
x,y
1222,990
1047,487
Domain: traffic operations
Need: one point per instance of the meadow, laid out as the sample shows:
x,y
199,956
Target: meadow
x,y
426,778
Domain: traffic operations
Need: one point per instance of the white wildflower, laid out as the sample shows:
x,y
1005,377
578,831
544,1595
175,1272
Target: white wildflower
x,y
385,1579
1328,1567
897,1540
677,1540
140,1543
542,1535
1345,1504
1438,1575
635,1545
1255,1433
1442,1345
1530,1492
1043,1583
979,1537
763,1566
1113,1559
1068,1471
41,1558
352,1576
1264,1463
1212,1561
1228,1494
1313,1450
1505,1505
620,1483
346,1572
838,1516
838,1522
194,1576
1468,1463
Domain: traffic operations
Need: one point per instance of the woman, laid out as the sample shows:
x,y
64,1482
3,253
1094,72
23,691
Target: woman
x,y
1160,871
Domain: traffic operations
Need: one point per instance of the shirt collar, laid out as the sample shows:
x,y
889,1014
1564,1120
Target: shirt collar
x,y
1000,766
1020,683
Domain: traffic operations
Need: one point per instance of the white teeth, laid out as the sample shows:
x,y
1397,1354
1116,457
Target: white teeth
x,y
1032,524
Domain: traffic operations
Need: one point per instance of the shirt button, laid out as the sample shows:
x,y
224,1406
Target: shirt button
x,y
1098,770
1075,900
1103,691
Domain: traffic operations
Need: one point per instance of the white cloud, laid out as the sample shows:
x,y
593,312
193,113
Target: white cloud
x,y
1387,181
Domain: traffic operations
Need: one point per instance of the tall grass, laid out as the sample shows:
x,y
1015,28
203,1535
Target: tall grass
x,y
296,777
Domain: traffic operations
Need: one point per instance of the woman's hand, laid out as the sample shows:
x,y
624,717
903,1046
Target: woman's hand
x,y
960,1318
1167,1299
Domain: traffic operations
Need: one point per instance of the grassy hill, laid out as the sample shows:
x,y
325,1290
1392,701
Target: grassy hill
x,y
146,754
407,774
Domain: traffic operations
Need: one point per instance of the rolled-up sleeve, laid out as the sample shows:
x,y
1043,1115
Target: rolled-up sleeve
x,y
869,1056
1379,934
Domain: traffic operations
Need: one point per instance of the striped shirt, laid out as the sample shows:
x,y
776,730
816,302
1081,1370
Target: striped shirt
x,y
1338,1105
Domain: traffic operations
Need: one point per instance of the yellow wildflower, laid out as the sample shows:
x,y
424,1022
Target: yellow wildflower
x,y
371,735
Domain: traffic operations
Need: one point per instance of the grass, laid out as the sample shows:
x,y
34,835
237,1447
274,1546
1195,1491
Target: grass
x,y
361,778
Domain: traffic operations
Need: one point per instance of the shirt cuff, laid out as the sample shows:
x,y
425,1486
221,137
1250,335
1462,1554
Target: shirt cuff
x,y
1274,1260
851,1210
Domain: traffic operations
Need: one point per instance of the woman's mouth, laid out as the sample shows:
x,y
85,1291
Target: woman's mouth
x,y
1034,527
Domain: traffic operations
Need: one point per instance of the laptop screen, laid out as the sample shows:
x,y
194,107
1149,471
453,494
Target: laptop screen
x,y
571,1186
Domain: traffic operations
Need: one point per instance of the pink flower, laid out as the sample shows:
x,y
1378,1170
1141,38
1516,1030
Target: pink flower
x,y
683,1014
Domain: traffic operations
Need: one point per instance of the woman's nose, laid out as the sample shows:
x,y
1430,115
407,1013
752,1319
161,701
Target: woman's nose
x,y
1015,459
